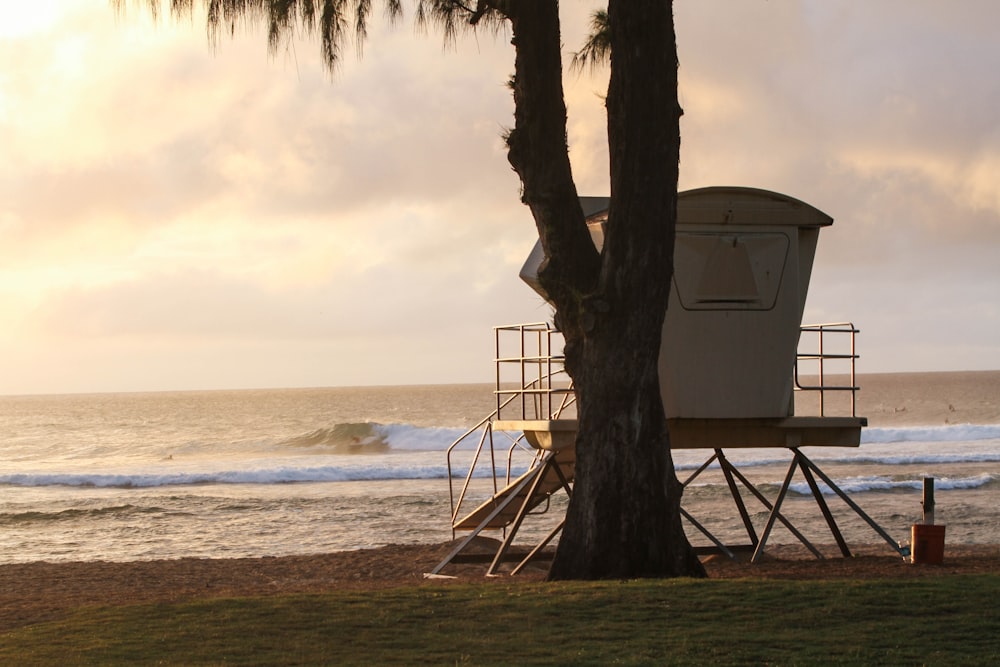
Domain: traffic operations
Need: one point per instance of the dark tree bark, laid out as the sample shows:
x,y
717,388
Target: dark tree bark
x,y
539,154
624,517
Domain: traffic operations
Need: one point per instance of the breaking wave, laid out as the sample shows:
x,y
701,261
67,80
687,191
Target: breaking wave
x,y
373,438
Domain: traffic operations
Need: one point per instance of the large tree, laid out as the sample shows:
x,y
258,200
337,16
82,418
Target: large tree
x,y
624,517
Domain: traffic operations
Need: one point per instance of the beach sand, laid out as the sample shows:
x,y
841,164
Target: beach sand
x,y
36,592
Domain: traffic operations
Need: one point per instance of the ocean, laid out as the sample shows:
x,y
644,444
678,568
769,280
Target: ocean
x,y
224,474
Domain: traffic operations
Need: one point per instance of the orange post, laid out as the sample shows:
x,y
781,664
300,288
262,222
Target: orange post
x,y
927,541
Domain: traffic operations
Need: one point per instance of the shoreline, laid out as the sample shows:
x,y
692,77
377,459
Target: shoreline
x,y
39,591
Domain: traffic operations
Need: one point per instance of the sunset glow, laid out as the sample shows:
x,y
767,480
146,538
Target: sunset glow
x,y
177,218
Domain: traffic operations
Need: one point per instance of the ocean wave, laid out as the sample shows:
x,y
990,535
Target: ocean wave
x,y
373,438
275,475
916,458
856,485
948,433
881,483
406,437
877,453
359,438
32,517
405,451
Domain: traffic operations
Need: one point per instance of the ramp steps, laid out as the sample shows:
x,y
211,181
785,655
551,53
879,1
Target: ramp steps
x,y
521,496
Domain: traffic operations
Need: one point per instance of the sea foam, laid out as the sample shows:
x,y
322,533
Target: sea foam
x,y
882,483
946,433
275,474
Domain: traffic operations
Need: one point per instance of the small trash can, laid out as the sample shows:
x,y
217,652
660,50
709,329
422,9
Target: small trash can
x,y
927,542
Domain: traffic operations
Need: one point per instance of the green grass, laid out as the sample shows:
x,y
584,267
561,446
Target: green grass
x,y
948,620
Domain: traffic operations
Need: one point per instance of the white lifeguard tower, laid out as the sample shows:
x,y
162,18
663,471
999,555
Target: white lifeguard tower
x,y
731,369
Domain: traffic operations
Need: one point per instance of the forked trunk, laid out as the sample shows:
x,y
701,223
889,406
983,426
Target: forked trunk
x,y
624,517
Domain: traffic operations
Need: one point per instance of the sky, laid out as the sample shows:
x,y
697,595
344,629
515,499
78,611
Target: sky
x,y
176,216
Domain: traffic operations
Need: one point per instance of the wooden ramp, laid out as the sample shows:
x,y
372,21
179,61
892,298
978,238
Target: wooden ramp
x,y
508,507
522,495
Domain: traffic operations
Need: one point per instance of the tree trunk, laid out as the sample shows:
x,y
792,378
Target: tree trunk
x,y
624,517
538,152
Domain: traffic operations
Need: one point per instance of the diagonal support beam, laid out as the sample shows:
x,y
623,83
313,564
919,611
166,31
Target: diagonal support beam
x,y
784,521
727,471
823,507
707,533
521,513
774,511
850,503
541,545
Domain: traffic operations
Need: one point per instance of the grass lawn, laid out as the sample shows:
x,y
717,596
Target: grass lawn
x,y
947,620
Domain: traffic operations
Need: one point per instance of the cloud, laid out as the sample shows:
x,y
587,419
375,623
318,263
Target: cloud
x,y
232,219
882,115
863,110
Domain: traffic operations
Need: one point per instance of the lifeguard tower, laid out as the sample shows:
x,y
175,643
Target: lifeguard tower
x,y
731,369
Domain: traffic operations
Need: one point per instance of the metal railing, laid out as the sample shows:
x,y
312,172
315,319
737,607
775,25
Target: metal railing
x,y
485,443
532,384
834,347
531,379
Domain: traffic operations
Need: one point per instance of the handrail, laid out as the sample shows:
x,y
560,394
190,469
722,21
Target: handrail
x,y
822,356
538,390
486,424
534,367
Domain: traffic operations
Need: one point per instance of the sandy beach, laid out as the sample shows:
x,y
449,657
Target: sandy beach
x,y
36,592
